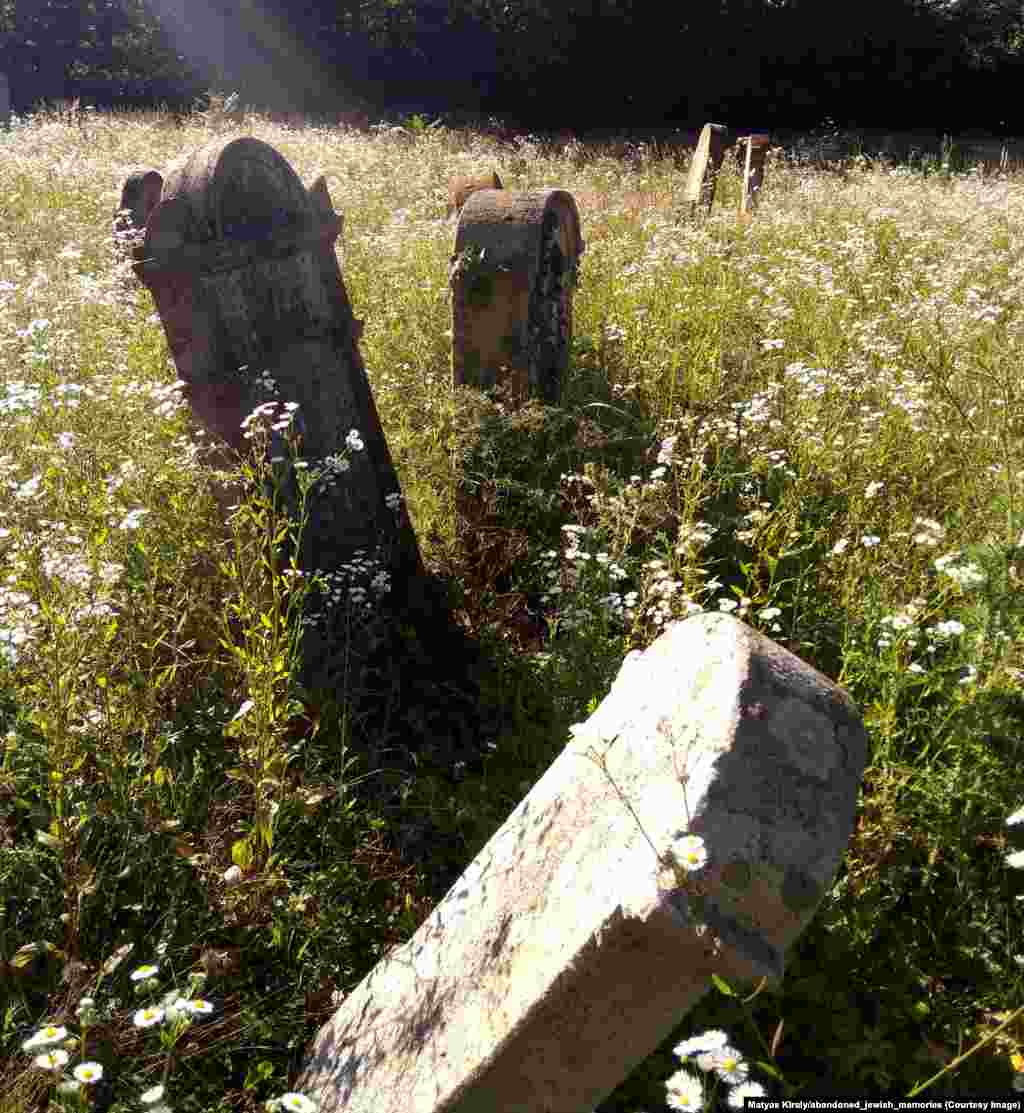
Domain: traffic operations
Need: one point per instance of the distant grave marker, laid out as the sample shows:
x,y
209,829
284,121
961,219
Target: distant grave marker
x,y
990,156
5,101
139,197
513,277
240,259
564,954
459,189
753,150
707,162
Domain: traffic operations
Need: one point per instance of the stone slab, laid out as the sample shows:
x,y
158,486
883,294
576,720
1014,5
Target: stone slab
x,y
564,955
707,161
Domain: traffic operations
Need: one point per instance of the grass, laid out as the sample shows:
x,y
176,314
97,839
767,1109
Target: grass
x,y
813,420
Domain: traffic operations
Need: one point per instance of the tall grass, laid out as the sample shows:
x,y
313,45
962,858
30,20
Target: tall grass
x,y
813,421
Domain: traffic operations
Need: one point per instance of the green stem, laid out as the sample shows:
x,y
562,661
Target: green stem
x,y
967,1054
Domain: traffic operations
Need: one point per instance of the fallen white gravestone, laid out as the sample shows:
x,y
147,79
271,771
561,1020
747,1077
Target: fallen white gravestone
x,y
562,956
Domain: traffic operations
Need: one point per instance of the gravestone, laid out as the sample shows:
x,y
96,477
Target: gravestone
x,y
753,150
240,260
5,101
139,197
707,162
513,275
990,156
563,955
460,188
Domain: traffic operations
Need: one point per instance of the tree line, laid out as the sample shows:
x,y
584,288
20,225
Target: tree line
x,y
949,64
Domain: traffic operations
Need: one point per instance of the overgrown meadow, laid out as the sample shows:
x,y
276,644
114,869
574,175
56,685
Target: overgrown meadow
x,y
813,420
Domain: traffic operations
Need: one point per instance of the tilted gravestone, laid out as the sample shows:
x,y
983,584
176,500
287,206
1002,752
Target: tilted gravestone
x,y
752,149
240,260
707,162
513,275
459,189
140,195
563,955
5,101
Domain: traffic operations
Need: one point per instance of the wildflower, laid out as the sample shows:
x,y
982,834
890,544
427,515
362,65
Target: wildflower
x,y
88,1072
146,1018
685,1092
665,453
950,629
131,520
44,1037
872,489
51,1060
296,1102
727,1063
840,546
744,1090
869,540
690,851
707,1041
967,575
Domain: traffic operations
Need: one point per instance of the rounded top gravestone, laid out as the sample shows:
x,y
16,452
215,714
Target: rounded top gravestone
x,y
240,259
514,272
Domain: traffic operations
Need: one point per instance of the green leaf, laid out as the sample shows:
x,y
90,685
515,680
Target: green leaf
x,y
258,1074
241,854
723,986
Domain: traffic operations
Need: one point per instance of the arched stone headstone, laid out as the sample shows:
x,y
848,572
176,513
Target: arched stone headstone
x,y
139,197
707,161
513,276
563,955
240,259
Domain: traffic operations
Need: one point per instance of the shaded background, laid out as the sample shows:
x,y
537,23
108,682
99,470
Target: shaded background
x,y
933,65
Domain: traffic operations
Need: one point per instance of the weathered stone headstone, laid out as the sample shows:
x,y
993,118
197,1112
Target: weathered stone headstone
x,y
513,275
5,101
139,197
460,188
707,161
563,956
753,149
240,260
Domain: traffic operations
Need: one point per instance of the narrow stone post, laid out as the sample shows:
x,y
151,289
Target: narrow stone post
x,y
567,951
5,101
753,150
